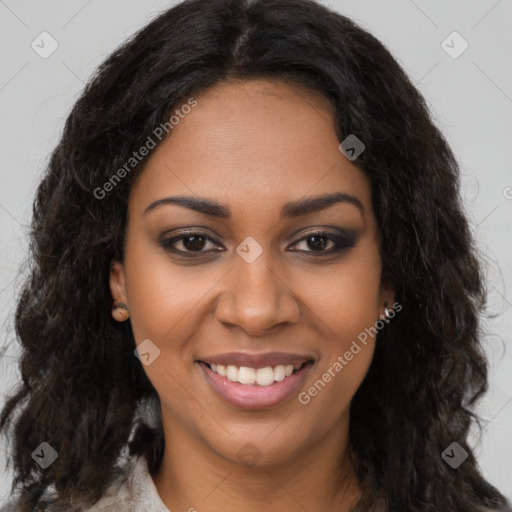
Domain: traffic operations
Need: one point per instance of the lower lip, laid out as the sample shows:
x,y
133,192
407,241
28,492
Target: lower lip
x,y
252,397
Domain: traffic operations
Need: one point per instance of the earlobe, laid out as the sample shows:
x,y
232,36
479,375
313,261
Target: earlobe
x,y
120,312
117,284
387,300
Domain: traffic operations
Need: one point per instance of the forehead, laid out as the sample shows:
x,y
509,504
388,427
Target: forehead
x,y
256,142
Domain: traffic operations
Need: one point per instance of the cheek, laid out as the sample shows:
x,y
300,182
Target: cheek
x,y
162,310
347,306
164,306
162,298
168,305
347,297
345,358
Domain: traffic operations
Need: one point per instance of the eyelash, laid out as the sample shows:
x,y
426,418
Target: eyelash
x,y
342,243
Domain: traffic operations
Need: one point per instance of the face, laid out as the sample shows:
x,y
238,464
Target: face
x,y
266,278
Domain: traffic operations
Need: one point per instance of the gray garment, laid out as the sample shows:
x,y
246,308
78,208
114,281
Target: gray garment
x,y
136,493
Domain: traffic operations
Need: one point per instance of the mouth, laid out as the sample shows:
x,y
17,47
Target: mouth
x,y
256,386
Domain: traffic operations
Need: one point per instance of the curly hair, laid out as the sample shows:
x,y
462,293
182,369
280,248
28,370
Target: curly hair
x,y
82,389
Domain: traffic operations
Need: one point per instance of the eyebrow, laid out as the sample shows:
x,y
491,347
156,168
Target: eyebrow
x,y
289,210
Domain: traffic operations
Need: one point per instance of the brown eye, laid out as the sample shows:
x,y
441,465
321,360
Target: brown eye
x,y
188,243
317,242
194,242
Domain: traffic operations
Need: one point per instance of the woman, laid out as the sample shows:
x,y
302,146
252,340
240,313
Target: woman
x,y
254,287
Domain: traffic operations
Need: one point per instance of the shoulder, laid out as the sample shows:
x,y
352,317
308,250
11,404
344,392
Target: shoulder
x,y
134,491
119,495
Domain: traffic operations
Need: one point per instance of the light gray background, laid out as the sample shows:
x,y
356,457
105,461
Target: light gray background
x,y
470,97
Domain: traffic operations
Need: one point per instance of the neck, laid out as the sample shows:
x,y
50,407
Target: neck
x,y
193,477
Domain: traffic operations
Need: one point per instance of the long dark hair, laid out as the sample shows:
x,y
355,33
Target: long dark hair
x,y
82,388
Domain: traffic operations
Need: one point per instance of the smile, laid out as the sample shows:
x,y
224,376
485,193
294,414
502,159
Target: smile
x,y
260,376
255,388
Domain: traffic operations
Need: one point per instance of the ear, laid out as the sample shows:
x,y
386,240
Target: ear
x,y
386,296
117,282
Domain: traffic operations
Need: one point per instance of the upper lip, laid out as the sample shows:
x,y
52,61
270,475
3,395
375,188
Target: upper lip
x,y
256,360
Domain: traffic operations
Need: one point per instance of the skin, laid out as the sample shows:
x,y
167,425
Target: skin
x,y
252,146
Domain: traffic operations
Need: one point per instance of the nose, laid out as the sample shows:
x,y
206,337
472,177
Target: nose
x,y
256,298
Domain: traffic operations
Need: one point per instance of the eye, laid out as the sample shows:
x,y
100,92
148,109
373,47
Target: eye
x,y
189,242
319,240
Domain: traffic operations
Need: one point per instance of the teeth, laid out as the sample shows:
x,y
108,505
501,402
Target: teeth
x,y
265,376
246,375
260,376
279,373
232,373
